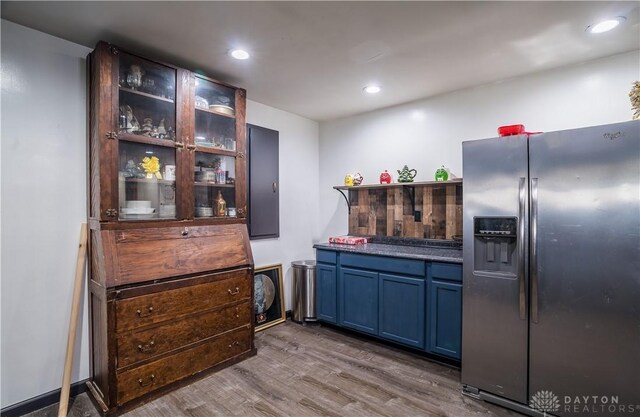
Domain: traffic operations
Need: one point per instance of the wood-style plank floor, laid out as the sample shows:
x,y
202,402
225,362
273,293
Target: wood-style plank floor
x,y
315,371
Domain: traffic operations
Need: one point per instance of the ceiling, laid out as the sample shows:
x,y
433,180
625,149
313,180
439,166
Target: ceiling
x,y
314,58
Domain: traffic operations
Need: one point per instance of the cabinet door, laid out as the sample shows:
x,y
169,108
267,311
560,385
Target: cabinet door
x,y
445,318
358,300
327,293
215,151
402,313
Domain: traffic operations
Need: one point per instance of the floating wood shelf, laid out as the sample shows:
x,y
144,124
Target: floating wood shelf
x,y
397,184
147,95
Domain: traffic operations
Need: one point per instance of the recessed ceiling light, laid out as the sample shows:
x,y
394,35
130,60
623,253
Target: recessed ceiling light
x,y
372,89
239,54
606,25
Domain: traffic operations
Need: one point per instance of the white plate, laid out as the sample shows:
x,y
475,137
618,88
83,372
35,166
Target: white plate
x,y
138,204
138,216
137,210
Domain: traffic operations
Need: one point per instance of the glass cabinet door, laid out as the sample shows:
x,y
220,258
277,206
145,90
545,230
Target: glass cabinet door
x,y
214,169
147,163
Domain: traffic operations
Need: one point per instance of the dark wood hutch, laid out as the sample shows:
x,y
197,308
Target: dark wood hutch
x,y
171,269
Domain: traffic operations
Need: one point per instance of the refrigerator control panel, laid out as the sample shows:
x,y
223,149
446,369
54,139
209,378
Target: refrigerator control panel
x,y
495,245
495,226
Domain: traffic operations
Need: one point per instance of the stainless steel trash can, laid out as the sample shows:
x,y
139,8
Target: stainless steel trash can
x,y
304,291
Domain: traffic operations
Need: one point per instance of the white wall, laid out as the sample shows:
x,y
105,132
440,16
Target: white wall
x,y
299,195
43,204
428,133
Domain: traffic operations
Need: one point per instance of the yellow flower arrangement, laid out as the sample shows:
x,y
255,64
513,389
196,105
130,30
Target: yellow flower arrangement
x,y
151,166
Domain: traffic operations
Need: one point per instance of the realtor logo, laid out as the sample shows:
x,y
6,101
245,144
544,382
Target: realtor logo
x,y
545,401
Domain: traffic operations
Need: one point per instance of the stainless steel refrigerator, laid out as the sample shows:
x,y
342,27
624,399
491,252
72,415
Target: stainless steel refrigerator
x,y
551,296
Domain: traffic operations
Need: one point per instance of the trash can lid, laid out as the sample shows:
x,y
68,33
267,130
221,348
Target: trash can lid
x,y
304,264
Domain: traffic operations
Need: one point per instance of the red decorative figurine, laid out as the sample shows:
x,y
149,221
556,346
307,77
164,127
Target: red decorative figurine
x,y
385,177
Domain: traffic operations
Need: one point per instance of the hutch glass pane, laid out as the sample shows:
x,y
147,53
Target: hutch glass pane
x,y
214,189
215,115
147,98
146,182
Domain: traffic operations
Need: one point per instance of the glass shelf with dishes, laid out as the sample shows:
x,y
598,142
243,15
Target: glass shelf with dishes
x,y
146,182
147,109
215,116
214,185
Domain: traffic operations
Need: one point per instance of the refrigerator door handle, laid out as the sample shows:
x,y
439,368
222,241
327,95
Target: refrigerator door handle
x,y
534,251
522,195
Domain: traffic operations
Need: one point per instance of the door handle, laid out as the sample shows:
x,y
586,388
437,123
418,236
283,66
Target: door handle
x,y
274,186
534,251
522,195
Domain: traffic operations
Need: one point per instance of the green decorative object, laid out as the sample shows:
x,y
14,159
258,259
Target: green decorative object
x,y
442,174
406,174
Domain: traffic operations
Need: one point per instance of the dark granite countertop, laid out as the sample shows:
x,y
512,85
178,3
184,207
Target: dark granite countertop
x,y
445,253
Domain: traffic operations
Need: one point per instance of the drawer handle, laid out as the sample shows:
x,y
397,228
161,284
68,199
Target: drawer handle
x,y
150,381
234,343
237,313
147,314
234,292
146,347
184,232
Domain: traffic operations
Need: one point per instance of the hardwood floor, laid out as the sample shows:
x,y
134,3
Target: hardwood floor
x,y
315,371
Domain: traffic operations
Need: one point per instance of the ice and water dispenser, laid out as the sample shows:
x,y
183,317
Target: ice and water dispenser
x,y
495,245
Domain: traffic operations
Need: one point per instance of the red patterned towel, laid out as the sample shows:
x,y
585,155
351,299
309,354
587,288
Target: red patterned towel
x,y
348,240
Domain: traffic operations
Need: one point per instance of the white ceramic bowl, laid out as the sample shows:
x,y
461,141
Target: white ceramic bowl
x,y
138,204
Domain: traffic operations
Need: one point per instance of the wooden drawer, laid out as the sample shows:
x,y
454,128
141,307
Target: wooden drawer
x,y
155,253
148,309
145,344
146,378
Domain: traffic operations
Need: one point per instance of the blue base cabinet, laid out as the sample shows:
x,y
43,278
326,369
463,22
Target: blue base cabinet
x,y
401,314
407,301
327,292
444,309
445,318
358,300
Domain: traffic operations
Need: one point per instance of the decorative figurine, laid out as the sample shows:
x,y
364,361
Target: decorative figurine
x,y
219,205
406,174
162,132
357,179
129,121
385,178
442,174
348,180
171,134
147,126
132,170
